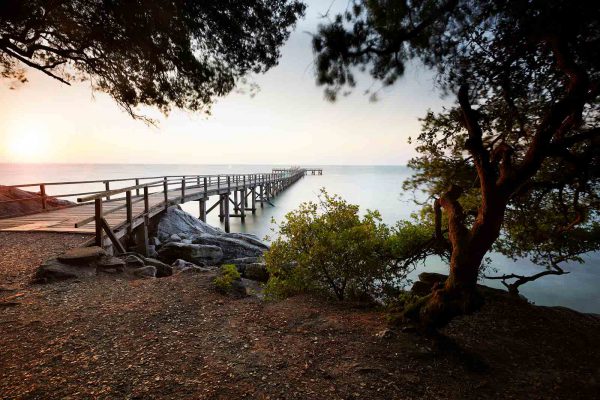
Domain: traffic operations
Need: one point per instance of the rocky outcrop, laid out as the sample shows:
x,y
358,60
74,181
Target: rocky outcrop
x,y
87,262
30,202
177,226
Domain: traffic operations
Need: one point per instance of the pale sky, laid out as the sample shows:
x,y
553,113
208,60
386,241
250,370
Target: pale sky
x,y
287,122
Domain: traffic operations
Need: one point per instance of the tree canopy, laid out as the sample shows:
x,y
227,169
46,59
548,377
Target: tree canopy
x,y
515,163
176,53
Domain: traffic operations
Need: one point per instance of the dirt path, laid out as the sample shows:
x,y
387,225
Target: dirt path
x,y
175,338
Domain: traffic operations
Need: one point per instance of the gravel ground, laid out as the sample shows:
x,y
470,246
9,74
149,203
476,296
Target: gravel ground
x,y
176,338
22,252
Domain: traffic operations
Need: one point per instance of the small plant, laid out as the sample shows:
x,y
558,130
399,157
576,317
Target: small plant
x,y
227,275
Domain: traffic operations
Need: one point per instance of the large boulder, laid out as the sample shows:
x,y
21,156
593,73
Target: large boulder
x,y
177,222
194,253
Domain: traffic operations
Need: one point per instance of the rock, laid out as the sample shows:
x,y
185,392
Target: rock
x,y
54,270
134,261
145,272
195,253
81,255
243,260
162,270
386,334
186,241
152,251
426,281
108,263
174,238
432,277
180,265
256,272
154,241
234,245
197,270
175,220
421,288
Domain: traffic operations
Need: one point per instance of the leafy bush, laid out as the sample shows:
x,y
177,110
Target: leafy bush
x,y
226,277
328,247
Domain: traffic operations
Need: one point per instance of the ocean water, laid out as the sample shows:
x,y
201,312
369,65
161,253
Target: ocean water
x,y
371,187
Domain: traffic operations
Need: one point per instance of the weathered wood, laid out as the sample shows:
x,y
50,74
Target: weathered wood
x,y
111,235
43,195
202,204
98,216
129,212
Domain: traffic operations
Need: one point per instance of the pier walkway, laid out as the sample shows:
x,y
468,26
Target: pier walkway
x,y
115,216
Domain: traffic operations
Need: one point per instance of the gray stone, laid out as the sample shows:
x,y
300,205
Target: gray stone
x,y
162,270
186,241
145,272
134,261
188,267
174,238
256,272
233,248
152,251
243,260
154,241
108,263
195,253
175,220
82,255
54,270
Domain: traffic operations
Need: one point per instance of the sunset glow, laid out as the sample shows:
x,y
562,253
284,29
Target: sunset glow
x,y
28,142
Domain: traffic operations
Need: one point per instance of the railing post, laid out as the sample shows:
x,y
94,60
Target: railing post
x,y
205,188
218,183
166,189
137,183
98,220
43,194
129,208
146,204
107,187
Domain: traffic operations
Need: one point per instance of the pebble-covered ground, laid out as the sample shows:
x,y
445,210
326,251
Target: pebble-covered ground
x,y
176,338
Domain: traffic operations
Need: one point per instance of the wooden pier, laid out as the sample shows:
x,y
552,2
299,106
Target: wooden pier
x,y
311,171
118,217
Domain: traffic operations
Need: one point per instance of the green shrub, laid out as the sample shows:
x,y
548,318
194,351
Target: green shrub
x,y
328,247
226,277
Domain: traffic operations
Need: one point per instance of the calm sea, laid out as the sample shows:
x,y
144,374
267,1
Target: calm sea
x,y
371,187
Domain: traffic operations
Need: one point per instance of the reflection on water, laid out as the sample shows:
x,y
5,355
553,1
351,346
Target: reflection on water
x,y
371,187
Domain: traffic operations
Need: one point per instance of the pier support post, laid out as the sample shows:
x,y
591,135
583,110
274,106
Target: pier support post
x,y
253,201
236,207
226,212
221,208
202,204
243,205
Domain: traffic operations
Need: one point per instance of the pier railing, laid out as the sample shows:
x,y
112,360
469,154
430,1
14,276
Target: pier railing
x,y
137,185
